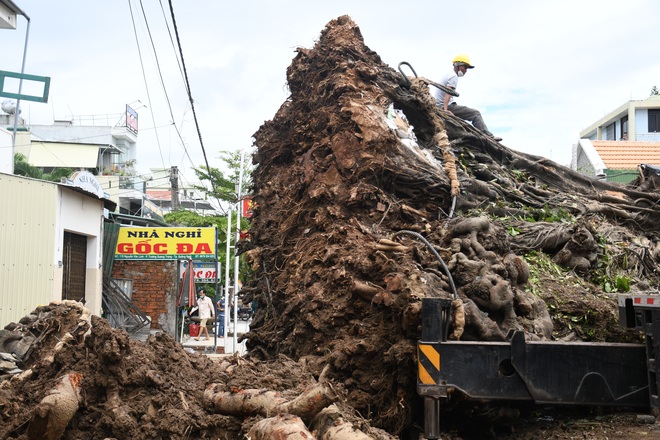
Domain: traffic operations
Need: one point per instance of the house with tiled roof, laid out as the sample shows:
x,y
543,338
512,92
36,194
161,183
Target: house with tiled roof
x,y
188,199
613,147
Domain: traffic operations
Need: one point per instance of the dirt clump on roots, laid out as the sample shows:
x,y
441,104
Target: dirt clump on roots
x,y
368,198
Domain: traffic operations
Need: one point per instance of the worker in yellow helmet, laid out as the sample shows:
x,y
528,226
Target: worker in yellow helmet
x,y
461,64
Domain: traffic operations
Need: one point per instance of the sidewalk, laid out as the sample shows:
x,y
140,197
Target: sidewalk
x,y
225,345
205,346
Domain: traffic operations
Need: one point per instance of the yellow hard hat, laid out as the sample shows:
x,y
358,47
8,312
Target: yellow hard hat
x,y
462,60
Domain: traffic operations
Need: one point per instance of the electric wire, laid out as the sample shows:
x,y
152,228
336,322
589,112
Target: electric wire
x,y
176,54
146,84
192,104
162,82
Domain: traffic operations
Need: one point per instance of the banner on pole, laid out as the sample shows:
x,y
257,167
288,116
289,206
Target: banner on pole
x,y
204,272
247,203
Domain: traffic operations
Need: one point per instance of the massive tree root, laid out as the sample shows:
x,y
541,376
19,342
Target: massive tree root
x,y
53,413
266,402
360,153
281,426
332,424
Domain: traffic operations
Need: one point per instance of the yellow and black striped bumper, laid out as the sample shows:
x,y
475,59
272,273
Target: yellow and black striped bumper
x,y
428,364
428,370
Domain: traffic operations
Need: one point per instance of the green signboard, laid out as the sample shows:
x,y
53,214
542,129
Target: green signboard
x,y
45,80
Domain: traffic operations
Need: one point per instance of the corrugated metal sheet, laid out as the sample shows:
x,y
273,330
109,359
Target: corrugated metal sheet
x,y
110,234
27,245
621,176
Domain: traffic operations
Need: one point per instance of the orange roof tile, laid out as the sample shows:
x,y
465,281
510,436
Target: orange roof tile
x,y
627,155
159,194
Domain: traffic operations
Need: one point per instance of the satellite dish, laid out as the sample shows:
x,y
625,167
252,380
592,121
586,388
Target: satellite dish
x,y
9,107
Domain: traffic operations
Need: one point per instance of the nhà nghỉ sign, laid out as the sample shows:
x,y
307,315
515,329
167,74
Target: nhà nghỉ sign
x,y
165,243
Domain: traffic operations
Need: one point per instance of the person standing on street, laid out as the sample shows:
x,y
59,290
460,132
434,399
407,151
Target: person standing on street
x,y
206,311
461,64
221,317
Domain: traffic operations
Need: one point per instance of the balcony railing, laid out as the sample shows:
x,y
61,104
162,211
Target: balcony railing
x,y
125,169
648,137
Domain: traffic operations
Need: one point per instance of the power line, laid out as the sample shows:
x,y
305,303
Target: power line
x,y
192,104
162,82
176,55
146,84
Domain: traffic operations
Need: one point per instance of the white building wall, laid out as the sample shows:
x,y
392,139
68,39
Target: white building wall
x,y
6,161
110,185
637,111
6,142
642,120
586,160
83,215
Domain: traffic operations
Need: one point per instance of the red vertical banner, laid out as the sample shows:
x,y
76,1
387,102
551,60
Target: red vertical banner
x,y
187,287
247,204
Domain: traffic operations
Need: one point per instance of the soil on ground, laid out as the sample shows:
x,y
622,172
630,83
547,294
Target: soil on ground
x,y
154,389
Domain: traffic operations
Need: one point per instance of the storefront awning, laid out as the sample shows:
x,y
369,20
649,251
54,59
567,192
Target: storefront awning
x,y
63,154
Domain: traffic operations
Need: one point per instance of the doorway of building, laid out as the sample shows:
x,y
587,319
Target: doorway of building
x,y
74,264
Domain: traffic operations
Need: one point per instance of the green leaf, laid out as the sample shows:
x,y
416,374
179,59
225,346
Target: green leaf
x,y
622,284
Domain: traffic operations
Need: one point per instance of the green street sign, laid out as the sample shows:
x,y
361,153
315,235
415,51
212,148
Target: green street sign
x,y
25,77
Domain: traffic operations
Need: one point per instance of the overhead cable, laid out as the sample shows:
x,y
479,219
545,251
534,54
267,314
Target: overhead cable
x,y
146,84
192,103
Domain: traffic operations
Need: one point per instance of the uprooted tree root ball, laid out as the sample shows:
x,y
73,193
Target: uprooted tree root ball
x,y
360,166
368,198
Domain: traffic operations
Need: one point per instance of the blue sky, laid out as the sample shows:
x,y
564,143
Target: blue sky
x,y
544,69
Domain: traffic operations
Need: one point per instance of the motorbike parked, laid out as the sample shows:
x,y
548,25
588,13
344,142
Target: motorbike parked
x,y
244,313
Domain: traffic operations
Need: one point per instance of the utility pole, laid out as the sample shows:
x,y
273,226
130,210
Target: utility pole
x,y
174,187
239,197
